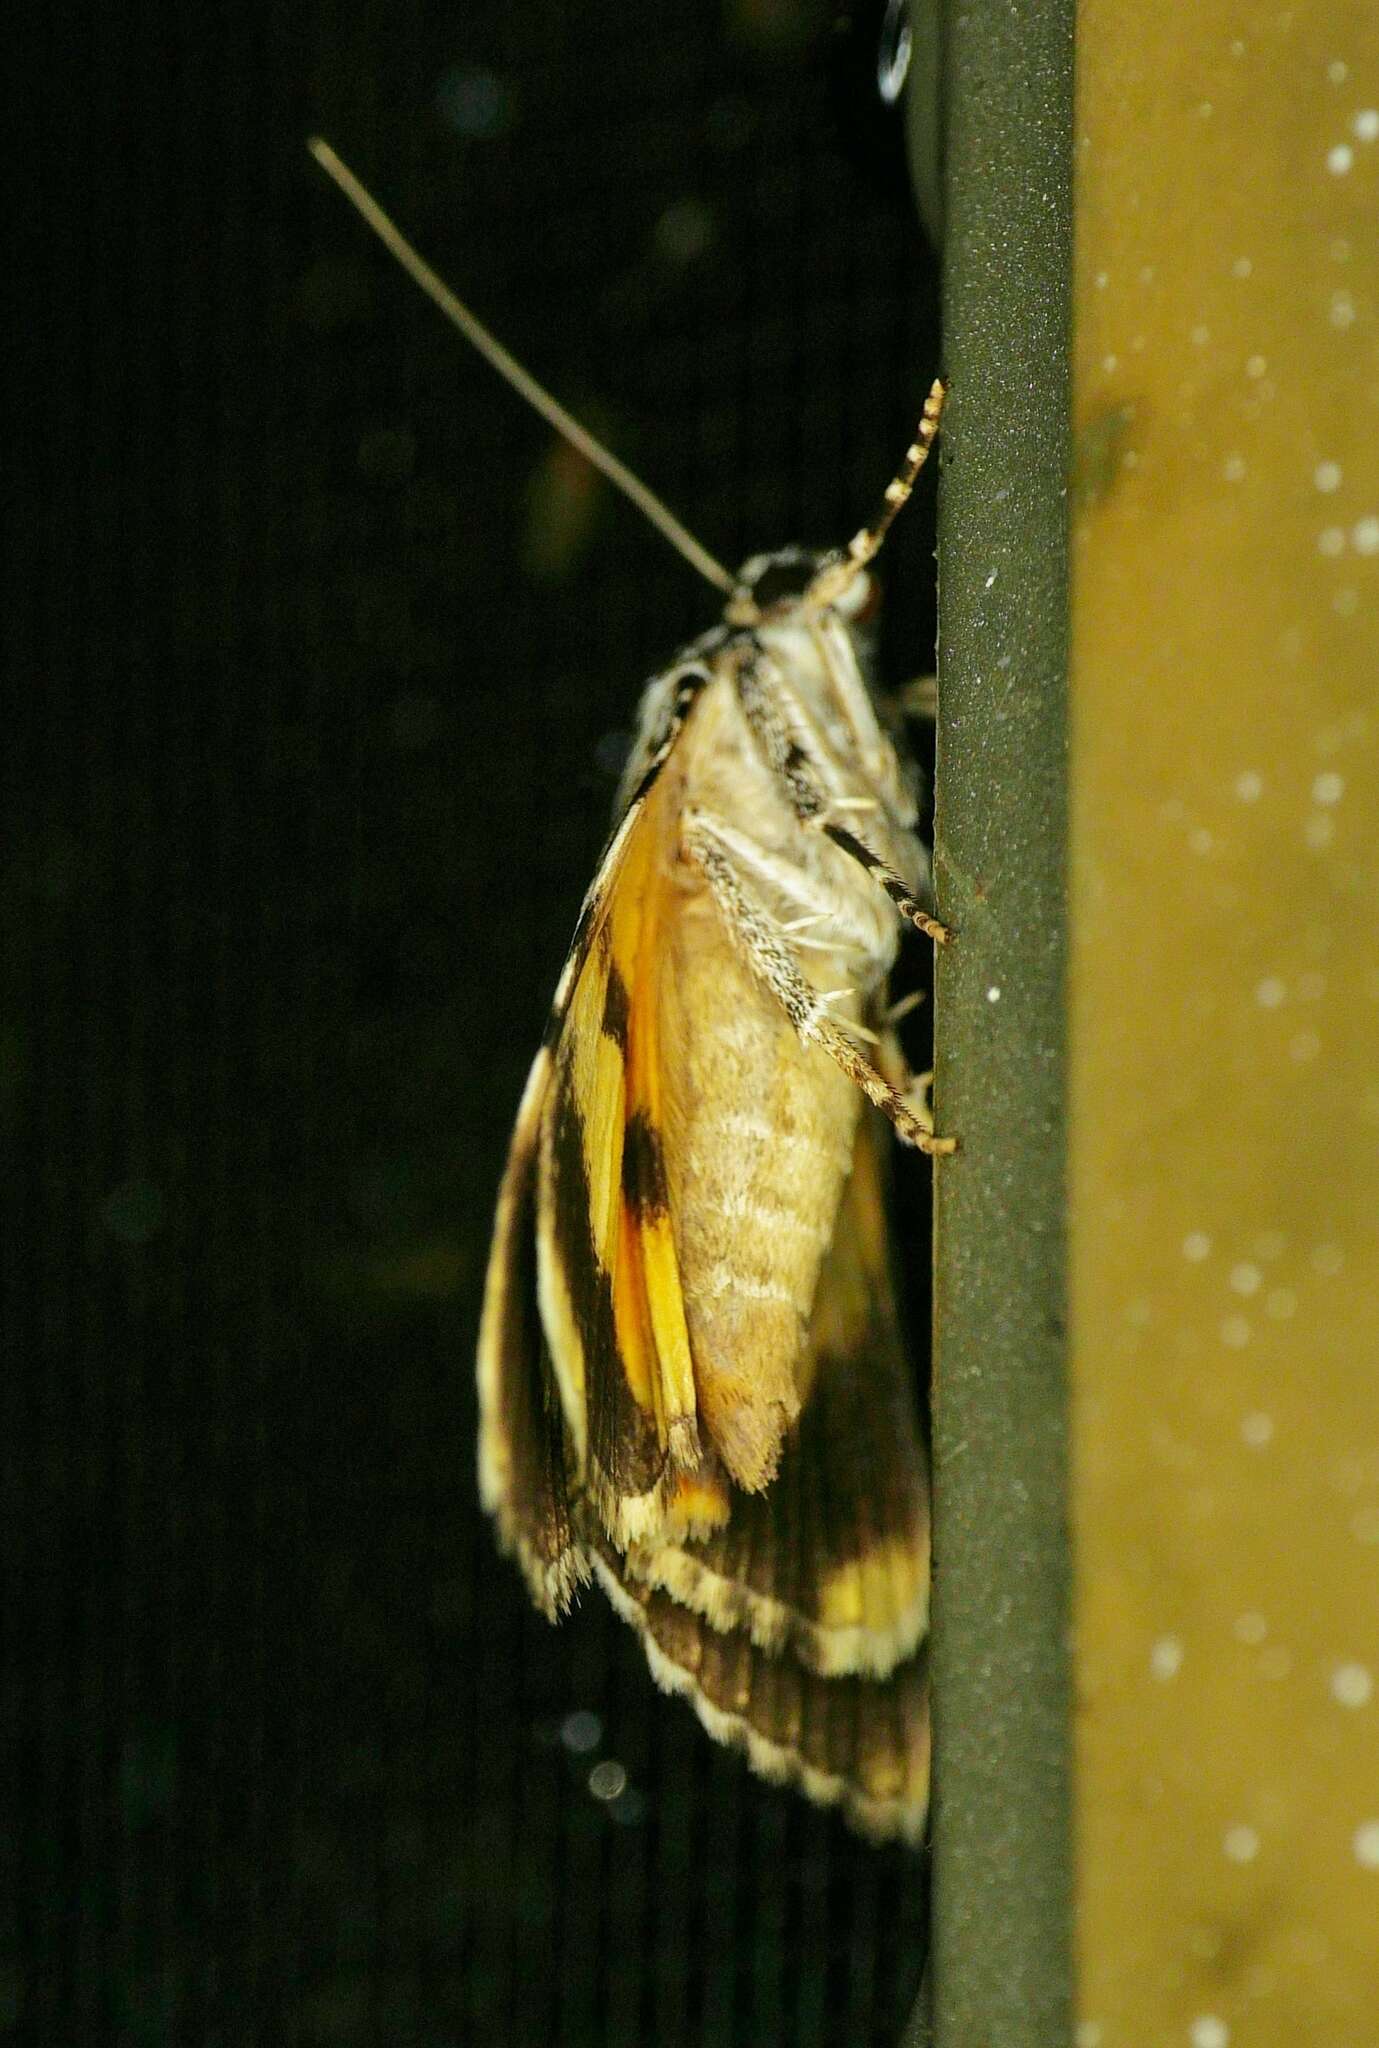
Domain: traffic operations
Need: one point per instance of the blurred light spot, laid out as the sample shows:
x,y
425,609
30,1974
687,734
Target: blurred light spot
x,y
993,994
1366,124
1304,1046
1257,1428
1242,267
1339,159
1207,2031
894,48
581,1732
1245,1278
1088,2034
1200,336
1199,840
1328,788
1338,71
134,1211
1256,366
1342,312
1166,1657
1351,1685
1249,786
1233,468
608,1780
1365,536
1331,540
1366,1845
1327,476
477,103
1235,1331
1320,830
1270,992
1196,1246
1250,1628
1241,1844
683,232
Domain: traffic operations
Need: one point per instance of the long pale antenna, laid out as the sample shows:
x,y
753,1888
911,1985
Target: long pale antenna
x,y
507,366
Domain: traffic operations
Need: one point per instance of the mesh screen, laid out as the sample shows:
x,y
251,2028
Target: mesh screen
x,y
320,659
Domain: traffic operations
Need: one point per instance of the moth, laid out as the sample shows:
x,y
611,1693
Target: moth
x,y
692,1384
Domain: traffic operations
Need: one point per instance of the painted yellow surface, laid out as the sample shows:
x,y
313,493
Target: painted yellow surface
x,y
1225,1003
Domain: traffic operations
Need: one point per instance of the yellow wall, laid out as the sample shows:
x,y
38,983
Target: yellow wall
x,y
1225,1053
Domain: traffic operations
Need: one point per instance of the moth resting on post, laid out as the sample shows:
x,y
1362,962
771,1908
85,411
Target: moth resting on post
x,y
692,1386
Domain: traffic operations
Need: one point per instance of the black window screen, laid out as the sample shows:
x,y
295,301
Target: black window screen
x,y
321,657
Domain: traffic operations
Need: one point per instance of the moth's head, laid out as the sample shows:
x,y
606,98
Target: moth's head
x,y
771,586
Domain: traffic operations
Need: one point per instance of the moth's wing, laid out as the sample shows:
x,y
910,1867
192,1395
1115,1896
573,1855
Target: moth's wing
x,y
797,1630
564,1333
859,1743
522,1448
830,1564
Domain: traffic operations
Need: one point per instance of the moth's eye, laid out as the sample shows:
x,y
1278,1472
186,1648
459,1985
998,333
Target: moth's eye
x,y
782,583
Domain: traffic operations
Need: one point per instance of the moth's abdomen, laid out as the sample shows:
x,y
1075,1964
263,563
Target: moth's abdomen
x,y
764,1132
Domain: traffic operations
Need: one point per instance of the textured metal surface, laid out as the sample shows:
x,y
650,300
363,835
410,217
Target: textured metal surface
x,y
1001,1852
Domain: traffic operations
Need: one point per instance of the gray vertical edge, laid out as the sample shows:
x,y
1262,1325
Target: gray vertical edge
x,y
1002,1881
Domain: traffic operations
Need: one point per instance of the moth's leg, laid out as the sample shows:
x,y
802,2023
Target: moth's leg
x,y
783,730
757,935
918,698
823,921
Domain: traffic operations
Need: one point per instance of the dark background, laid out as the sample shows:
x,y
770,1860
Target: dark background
x,y
319,658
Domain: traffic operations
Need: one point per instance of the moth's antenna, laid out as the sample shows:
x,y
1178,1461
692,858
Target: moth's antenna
x,y
492,350
836,575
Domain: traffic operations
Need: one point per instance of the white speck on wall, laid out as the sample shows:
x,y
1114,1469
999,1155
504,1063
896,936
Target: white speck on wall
x,y
1342,313
1328,788
1245,1278
1110,363
1166,1658
1233,468
1250,1627
1102,279
1255,366
1365,126
1364,536
1235,1331
1328,1259
1331,540
1338,71
1366,1844
1257,1428
1200,335
1280,1303
1327,476
1196,1246
1207,2031
1320,830
1339,159
1270,992
1241,267
989,581
1241,1844
1249,786
1088,2034
1351,1685
993,994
